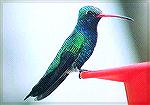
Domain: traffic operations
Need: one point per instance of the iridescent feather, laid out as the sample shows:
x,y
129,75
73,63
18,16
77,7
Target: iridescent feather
x,y
75,51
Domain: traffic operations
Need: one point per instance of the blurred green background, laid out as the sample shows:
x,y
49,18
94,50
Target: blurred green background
x,y
140,31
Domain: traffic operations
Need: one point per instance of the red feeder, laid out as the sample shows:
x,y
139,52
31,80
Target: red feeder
x,y
136,80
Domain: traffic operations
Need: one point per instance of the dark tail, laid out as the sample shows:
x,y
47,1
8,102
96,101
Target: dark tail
x,y
42,90
27,96
50,81
52,88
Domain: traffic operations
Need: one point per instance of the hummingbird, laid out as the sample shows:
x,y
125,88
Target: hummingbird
x,y
75,51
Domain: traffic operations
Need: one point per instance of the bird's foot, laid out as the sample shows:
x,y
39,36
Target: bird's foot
x,y
81,70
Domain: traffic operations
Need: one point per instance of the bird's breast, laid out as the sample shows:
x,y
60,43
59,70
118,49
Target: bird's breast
x,y
91,38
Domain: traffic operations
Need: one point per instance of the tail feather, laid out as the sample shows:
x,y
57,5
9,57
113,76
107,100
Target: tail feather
x,y
52,87
49,82
45,87
44,84
27,96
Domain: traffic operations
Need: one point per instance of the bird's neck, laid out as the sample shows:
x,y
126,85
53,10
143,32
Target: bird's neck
x,y
87,25
88,30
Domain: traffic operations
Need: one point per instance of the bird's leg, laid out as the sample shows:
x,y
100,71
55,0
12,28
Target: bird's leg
x,y
81,70
76,69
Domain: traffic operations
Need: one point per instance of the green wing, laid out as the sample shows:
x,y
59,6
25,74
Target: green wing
x,y
72,44
56,72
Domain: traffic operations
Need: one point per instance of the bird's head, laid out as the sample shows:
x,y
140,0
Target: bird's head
x,y
92,15
89,14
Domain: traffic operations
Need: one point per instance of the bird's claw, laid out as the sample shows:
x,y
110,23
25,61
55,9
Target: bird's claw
x,y
80,71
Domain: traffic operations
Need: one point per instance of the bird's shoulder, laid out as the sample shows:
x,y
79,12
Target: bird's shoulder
x,y
73,44
74,41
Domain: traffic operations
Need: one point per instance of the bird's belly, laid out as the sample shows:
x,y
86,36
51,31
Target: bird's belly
x,y
84,55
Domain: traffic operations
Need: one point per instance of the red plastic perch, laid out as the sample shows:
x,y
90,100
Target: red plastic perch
x,y
136,78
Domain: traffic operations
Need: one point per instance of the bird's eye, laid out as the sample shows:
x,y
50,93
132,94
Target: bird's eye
x,y
89,12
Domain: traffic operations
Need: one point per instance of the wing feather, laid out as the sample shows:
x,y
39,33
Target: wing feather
x,y
57,71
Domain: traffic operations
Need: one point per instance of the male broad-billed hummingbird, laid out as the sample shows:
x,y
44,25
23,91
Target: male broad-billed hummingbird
x,y
75,51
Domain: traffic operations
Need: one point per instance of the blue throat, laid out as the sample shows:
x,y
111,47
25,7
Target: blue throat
x,y
88,27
